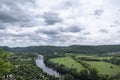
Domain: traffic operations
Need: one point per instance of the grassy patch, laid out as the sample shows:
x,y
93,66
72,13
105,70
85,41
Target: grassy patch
x,y
68,62
105,67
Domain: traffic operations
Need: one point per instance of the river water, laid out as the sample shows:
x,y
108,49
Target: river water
x,y
41,64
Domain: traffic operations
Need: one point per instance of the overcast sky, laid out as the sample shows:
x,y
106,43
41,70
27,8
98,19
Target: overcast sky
x,y
59,22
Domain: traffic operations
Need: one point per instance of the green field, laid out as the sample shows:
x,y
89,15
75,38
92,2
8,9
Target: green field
x,y
105,67
68,62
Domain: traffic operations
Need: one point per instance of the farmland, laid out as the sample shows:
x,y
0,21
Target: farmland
x,y
102,67
68,62
105,67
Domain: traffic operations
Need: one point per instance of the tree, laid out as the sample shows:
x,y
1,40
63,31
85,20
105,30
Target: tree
x,y
94,74
4,63
84,75
68,77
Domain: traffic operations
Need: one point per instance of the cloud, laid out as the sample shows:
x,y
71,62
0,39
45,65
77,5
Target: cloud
x,y
87,33
98,12
117,22
103,30
72,28
16,12
51,18
53,30
44,22
2,26
48,31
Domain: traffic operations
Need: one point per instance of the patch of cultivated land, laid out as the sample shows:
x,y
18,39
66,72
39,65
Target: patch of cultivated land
x,y
105,67
68,62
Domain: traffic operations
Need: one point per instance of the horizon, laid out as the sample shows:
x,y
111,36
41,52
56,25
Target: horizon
x,y
59,46
59,22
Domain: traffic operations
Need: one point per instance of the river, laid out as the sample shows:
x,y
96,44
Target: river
x,y
41,64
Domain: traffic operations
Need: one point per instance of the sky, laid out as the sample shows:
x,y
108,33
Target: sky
x,y
59,22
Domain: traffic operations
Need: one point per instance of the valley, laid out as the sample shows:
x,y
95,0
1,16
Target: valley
x,y
59,65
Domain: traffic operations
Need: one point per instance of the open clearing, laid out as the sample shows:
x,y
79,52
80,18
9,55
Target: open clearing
x,y
105,67
68,62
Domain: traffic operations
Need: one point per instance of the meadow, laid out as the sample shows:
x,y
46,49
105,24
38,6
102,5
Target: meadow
x,y
102,67
68,62
105,67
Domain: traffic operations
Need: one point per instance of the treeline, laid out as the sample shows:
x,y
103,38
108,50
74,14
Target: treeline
x,y
88,59
70,49
114,60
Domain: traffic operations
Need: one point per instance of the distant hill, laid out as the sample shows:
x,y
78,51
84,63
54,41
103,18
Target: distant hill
x,y
70,49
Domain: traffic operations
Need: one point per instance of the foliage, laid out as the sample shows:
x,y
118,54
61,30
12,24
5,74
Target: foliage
x,y
113,60
68,77
25,68
30,72
4,63
70,49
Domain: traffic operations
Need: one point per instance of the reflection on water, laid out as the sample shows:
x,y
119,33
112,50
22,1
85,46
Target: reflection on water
x,y
40,63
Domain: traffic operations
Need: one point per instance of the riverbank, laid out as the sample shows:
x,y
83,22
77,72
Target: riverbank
x,y
40,63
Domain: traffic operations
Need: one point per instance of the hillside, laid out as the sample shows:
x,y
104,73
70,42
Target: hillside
x,y
70,49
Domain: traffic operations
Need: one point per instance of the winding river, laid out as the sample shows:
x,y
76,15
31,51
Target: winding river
x,y
41,64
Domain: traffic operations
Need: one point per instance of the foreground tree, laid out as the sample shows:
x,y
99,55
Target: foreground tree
x,y
4,64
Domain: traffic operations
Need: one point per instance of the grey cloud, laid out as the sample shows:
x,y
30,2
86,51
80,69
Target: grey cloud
x,y
117,22
82,38
2,26
72,28
98,12
67,4
59,38
14,35
59,30
15,19
103,30
118,31
12,12
6,17
16,2
1,39
51,18
49,32
86,33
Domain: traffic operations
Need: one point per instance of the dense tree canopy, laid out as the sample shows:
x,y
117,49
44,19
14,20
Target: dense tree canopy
x,y
4,63
70,49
